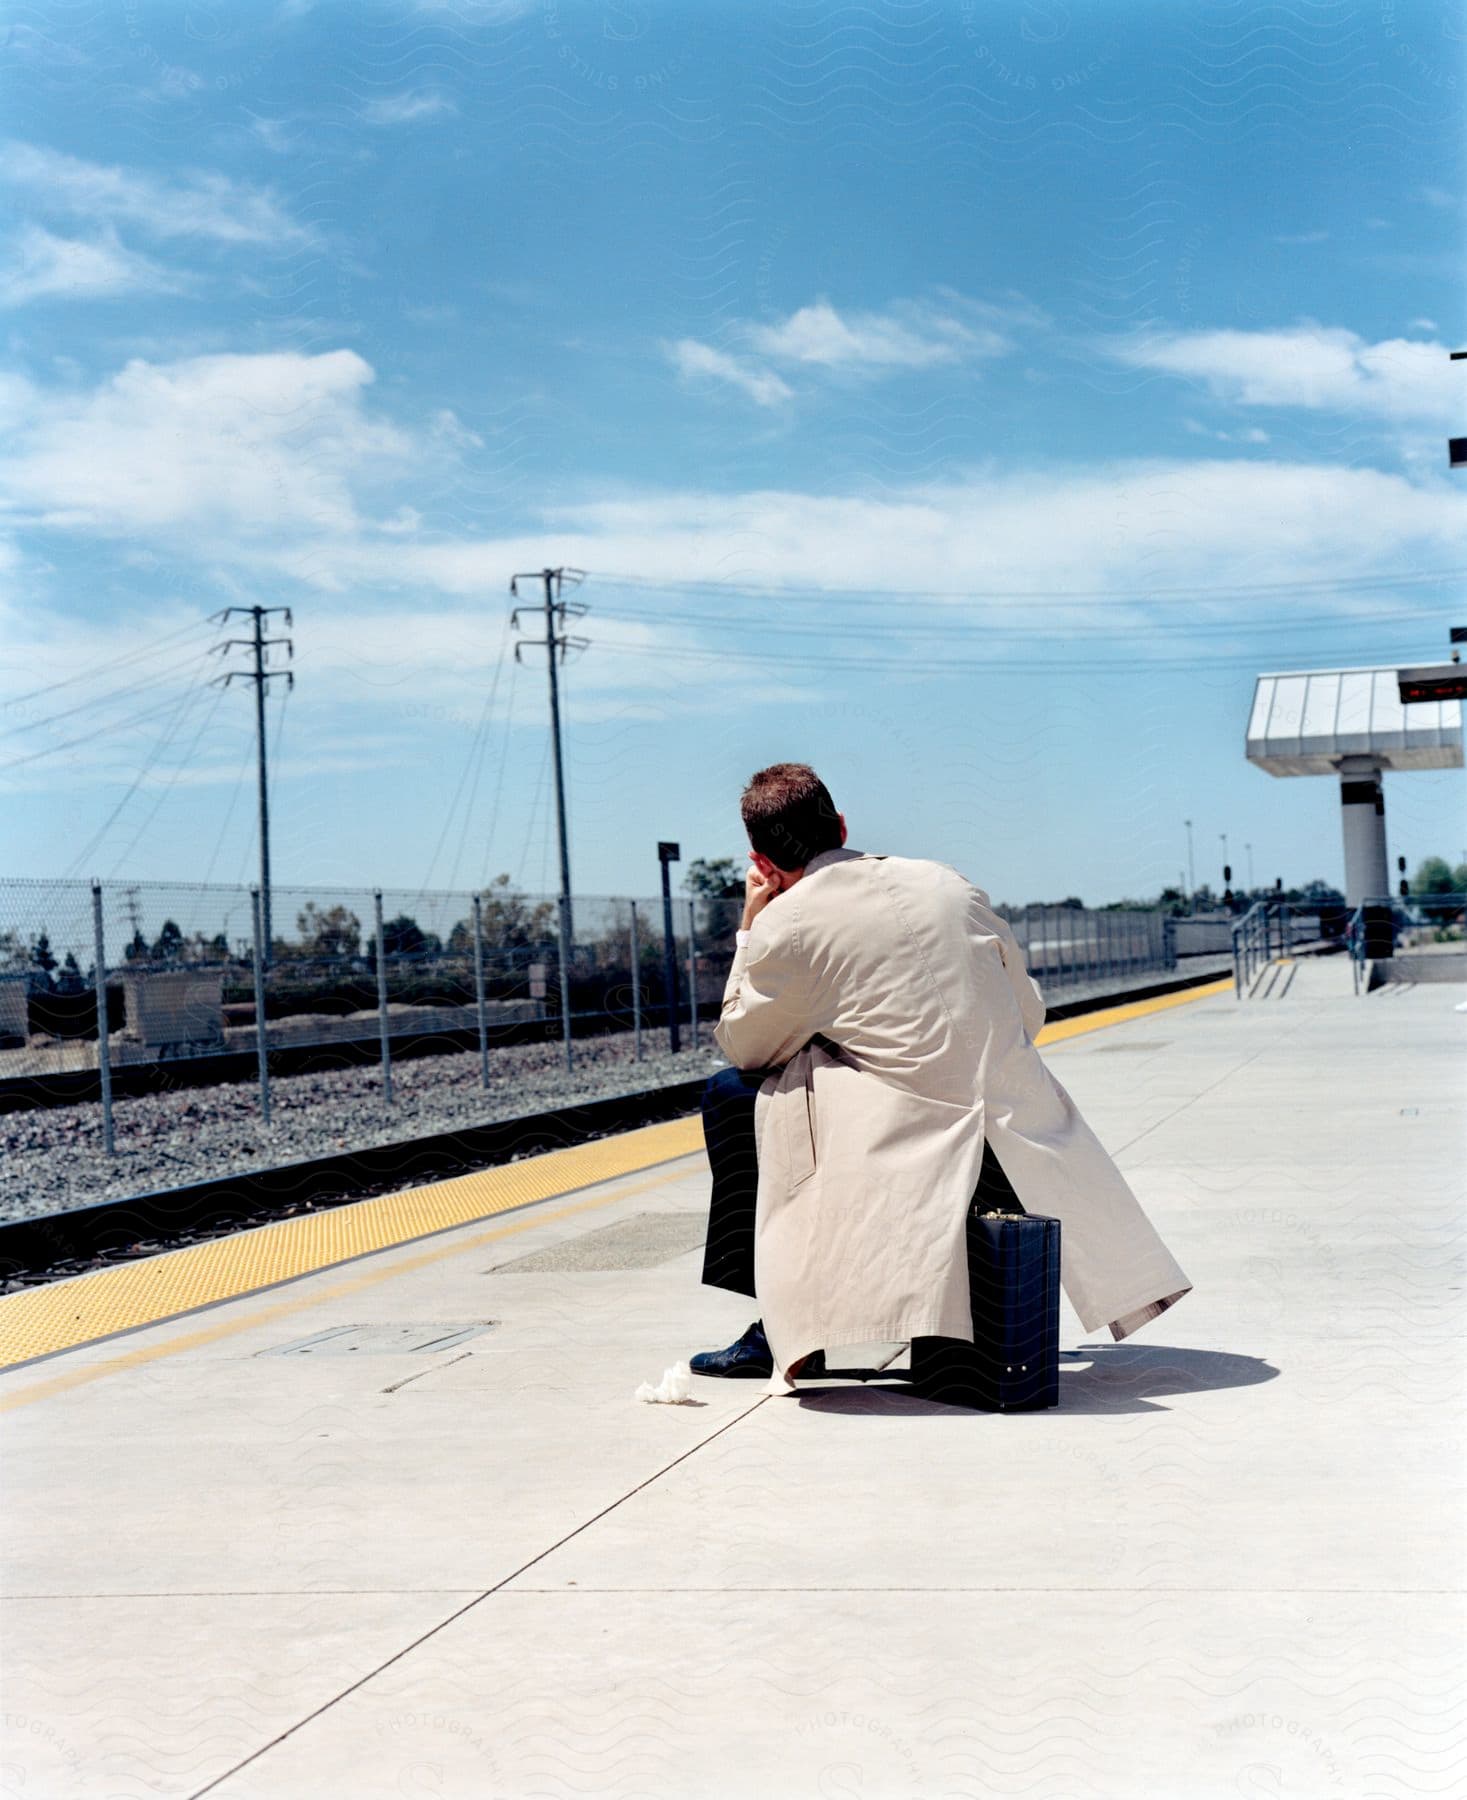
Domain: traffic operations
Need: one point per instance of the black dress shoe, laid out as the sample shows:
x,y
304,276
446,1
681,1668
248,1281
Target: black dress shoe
x,y
749,1355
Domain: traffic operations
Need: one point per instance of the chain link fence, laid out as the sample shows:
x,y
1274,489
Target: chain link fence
x,y
394,991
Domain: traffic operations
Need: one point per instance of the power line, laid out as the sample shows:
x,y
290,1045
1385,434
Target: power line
x,y
156,679
514,669
178,768
886,597
115,662
228,816
473,761
151,712
985,632
470,810
894,666
530,822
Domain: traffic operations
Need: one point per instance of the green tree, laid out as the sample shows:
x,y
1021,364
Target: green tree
x,y
1435,875
70,980
719,885
336,931
169,945
509,920
720,879
403,936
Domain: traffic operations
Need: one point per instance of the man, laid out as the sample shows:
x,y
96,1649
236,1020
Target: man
x,y
879,1021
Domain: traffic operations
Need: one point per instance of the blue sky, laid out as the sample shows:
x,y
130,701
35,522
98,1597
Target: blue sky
x,y
970,401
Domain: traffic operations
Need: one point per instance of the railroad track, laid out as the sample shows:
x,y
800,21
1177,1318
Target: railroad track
x,y
53,1246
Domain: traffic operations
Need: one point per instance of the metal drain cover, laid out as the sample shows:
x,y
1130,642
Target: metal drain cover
x,y
380,1340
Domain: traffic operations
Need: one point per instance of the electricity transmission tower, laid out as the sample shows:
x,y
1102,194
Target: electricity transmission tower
x,y
261,674
552,579
554,639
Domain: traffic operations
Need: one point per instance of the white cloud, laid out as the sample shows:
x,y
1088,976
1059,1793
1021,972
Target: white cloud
x,y
40,265
200,204
406,108
241,447
692,359
1311,366
393,616
1253,435
1118,530
272,133
447,425
1423,325
909,335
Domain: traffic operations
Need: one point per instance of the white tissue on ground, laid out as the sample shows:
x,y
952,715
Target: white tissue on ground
x,y
674,1389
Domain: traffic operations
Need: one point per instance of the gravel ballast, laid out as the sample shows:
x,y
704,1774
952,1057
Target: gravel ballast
x,y
54,1158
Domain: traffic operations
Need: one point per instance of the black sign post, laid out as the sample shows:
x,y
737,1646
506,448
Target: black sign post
x,y
669,853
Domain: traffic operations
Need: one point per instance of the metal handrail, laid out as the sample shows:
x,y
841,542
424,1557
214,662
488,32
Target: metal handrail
x,y
1408,911
1266,930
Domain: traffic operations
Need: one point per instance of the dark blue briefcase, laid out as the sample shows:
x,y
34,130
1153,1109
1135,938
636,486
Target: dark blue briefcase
x,y
1012,1365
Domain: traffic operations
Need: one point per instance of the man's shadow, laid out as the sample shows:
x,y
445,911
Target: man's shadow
x,y
1096,1378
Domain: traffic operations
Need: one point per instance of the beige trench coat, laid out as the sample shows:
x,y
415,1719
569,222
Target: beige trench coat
x,y
871,1136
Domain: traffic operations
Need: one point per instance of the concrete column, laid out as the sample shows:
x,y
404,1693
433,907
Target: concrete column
x,y
1362,813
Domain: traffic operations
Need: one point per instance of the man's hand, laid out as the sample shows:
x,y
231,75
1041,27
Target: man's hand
x,y
760,887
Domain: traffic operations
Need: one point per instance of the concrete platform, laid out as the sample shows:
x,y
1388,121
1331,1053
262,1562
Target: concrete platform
x,y
398,1528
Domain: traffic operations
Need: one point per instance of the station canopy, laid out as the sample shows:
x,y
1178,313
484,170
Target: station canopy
x,y
1304,721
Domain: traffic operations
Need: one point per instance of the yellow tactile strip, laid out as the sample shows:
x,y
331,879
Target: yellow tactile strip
x,y
1133,1009
63,1314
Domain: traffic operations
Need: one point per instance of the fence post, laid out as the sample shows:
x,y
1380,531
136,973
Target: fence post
x,y
382,1019
479,1000
262,1050
692,975
565,1007
636,992
104,1045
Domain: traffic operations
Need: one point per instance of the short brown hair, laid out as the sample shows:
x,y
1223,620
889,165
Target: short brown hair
x,y
789,815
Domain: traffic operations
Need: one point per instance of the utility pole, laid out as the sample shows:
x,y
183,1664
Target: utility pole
x,y
261,675
669,853
134,913
552,579
1191,872
554,639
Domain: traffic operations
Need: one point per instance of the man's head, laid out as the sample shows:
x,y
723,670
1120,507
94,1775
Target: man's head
x,y
790,817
